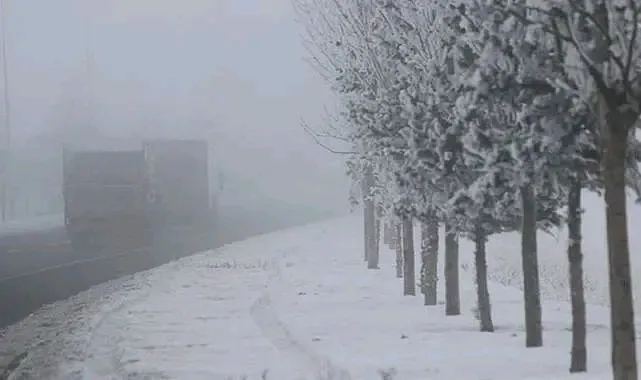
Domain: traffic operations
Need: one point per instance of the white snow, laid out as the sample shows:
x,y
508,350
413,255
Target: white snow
x,y
302,305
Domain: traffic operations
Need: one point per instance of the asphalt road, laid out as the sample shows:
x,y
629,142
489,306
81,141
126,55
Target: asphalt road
x,y
25,252
37,268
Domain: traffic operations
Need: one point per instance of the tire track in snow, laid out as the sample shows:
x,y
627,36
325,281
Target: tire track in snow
x,y
280,336
102,360
265,316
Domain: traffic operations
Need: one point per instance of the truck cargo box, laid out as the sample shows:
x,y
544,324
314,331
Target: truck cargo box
x,y
106,195
179,180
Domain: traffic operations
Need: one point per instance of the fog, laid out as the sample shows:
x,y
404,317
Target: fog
x,y
229,71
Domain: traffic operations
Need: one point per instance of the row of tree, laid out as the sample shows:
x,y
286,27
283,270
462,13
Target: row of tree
x,y
485,116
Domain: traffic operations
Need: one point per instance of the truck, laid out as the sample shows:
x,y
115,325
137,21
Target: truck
x,y
179,181
106,200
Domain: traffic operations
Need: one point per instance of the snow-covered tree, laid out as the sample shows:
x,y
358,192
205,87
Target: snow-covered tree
x,y
604,35
465,110
566,43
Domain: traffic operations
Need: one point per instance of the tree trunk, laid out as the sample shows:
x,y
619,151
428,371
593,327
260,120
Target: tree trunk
x,y
624,363
578,355
398,247
409,274
366,231
429,260
386,237
377,237
482,292
371,253
531,287
452,291
388,234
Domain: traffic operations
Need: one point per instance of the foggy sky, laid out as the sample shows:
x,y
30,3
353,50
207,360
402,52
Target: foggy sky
x,y
231,71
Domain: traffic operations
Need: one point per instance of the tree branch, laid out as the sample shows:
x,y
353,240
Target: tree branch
x,y
317,139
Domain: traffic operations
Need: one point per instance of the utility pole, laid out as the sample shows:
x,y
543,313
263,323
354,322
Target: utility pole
x,y
89,62
6,143
89,87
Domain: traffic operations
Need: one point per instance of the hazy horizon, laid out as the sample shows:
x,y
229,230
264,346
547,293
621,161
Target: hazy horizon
x,y
229,71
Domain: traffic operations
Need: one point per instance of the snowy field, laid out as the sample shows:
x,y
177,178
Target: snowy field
x,y
504,262
300,304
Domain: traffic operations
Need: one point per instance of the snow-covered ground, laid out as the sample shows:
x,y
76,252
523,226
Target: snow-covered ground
x,y
504,262
301,305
